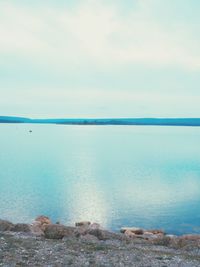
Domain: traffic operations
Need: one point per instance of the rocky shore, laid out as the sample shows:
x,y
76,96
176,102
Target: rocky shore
x,y
43,243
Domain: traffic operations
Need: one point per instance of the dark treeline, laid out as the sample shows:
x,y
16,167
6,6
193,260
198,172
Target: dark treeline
x,y
107,121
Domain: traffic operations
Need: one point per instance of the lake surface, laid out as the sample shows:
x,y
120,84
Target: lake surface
x,y
115,175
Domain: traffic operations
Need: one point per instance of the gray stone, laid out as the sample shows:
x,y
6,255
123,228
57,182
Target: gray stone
x,y
58,231
83,223
82,230
22,227
85,228
104,235
6,225
129,234
134,230
155,231
95,226
36,229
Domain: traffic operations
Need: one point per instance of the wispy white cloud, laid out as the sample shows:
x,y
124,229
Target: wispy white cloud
x,y
96,33
95,59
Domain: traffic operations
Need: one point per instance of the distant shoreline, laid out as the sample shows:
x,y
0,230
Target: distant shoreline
x,y
195,122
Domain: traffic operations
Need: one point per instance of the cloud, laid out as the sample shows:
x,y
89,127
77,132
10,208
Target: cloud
x,y
96,33
93,58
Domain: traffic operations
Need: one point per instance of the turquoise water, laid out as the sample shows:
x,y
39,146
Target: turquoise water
x,y
115,175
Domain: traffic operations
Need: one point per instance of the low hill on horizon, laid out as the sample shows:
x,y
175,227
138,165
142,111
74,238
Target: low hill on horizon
x,y
106,121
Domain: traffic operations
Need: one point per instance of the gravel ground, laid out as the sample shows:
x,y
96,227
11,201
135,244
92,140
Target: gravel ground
x,y
17,249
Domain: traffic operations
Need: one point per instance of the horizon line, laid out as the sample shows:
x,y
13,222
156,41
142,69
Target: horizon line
x,y
105,121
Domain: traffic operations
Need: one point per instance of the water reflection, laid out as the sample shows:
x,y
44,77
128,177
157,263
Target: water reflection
x,y
87,200
142,176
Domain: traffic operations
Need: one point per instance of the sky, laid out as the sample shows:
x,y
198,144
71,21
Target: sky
x,y
100,58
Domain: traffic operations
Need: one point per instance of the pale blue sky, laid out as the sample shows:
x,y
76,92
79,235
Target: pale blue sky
x,y
100,58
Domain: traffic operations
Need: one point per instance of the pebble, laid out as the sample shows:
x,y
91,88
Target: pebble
x,y
99,248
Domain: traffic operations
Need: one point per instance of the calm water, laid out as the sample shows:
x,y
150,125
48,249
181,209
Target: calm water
x,y
117,176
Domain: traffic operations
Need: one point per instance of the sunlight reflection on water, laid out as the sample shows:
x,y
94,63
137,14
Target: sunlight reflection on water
x,y
114,175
